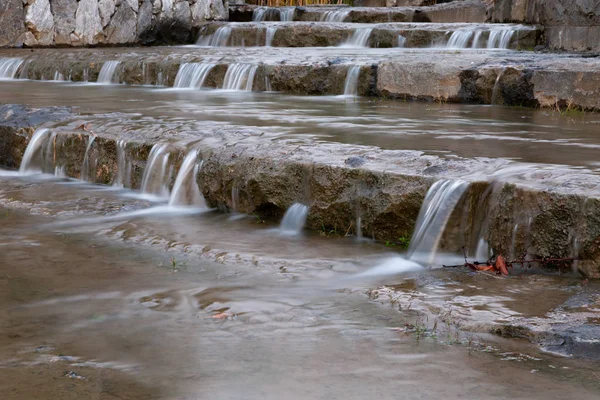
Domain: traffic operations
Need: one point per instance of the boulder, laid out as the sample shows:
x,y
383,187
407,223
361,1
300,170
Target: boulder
x,y
12,23
88,25
64,20
122,28
40,22
106,8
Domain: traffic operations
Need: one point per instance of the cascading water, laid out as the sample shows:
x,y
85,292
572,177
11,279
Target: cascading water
x,y
85,166
9,67
33,149
240,77
154,181
271,30
294,219
261,14
335,16
351,84
122,169
494,98
185,190
359,38
459,39
401,41
218,39
192,75
440,201
58,76
108,72
499,38
287,14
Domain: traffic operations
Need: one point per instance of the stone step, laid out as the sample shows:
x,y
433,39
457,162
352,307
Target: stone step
x,y
383,35
270,175
464,11
510,78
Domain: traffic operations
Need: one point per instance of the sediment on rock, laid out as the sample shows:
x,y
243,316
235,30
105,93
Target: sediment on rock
x,y
387,189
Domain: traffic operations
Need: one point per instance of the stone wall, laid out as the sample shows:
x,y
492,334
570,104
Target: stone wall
x,y
569,24
36,23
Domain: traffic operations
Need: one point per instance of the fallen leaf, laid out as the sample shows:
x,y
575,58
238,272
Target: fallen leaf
x,y
222,315
501,265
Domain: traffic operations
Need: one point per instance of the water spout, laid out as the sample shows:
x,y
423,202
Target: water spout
x,y
121,175
192,75
335,16
440,201
494,99
85,166
287,14
294,219
500,38
270,35
359,38
33,148
218,39
185,190
108,72
401,41
351,83
154,181
9,67
240,77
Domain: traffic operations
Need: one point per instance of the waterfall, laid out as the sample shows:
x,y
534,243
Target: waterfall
x,y
476,39
154,181
496,87
270,35
401,41
359,38
185,190
261,14
435,212
85,166
218,39
33,148
192,75
294,219
287,14
9,67
121,175
351,84
235,199
58,76
499,38
239,77
459,39
335,16
107,72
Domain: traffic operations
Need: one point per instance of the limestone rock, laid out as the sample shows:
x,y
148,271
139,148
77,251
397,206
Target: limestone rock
x,y
144,18
133,4
64,20
106,8
40,23
123,26
88,25
182,15
208,10
12,23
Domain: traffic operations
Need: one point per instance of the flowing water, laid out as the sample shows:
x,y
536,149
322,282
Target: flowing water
x,y
360,38
9,67
294,219
192,75
239,77
108,73
219,38
148,293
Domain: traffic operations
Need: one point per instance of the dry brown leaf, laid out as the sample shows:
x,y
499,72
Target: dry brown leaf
x,y
501,265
